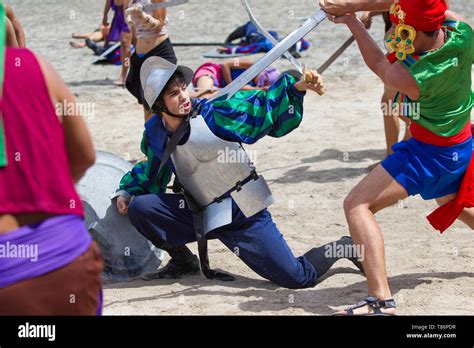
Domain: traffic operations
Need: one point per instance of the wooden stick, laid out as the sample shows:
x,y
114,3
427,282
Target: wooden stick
x,y
336,55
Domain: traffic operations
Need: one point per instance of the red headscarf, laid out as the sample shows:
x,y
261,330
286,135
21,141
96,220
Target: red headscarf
x,y
423,15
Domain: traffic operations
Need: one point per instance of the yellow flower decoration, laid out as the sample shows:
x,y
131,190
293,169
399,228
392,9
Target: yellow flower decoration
x,y
395,41
402,47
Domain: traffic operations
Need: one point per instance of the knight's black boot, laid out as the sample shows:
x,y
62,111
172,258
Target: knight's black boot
x,y
324,257
183,262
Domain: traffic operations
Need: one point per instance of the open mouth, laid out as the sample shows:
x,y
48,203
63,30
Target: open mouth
x,y
186,106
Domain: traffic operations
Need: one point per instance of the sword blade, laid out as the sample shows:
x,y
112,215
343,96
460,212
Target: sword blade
x,y
265,33
169,3
276,52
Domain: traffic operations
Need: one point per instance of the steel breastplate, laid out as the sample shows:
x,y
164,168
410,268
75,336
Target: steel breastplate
x,y
208,167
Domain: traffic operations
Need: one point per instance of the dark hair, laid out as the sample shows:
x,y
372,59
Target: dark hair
x,y
176,79
432,33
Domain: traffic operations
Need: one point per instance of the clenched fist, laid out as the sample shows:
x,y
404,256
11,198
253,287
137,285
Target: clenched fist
x,y
310,80
338,7
122,205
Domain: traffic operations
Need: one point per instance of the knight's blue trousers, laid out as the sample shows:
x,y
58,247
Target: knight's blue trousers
x,y
256,240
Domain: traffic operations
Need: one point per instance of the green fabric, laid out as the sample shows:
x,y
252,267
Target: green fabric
x,y
444,79
3,35
141,179
252,114
245,118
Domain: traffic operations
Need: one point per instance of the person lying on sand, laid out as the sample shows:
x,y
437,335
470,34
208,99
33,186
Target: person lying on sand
x,y
96,36
253,42
210,76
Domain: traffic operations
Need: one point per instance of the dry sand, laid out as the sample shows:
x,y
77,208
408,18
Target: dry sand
x,y
310,171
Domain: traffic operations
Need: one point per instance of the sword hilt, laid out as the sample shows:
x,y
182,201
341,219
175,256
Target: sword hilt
x,y
308,77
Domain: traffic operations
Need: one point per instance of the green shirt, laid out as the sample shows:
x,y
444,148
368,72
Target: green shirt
x,y
444,79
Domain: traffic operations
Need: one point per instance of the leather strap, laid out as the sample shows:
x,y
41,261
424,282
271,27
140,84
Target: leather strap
x,y
194,207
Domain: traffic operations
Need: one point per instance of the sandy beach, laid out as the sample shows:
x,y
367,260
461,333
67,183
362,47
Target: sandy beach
x,y
310,171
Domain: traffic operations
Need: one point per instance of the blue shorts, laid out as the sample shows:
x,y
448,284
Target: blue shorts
x,y
428,170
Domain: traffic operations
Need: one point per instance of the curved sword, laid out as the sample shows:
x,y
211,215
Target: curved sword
x,y
265,33
276,52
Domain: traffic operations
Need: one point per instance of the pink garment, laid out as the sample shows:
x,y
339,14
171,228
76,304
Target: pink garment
x,y
209,69
37,178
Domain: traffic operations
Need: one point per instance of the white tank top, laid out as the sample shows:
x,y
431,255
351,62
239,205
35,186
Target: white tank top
x,y
143,33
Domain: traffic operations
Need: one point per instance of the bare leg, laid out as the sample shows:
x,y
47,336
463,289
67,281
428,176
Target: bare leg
x,y
125,51
81,36
75,44
467,216
391,123
376,191
407,122
97,36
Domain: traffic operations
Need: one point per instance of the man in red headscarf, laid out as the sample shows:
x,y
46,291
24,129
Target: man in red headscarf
x,y
379,7
430,67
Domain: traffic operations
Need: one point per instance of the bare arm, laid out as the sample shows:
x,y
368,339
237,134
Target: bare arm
x,y
228,66
342,7
153,22
79,147
160,14
105,19
392,75
11,36
226,73
17,27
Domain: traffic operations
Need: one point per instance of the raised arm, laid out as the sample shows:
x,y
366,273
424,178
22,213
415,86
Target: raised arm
x,y
250,115
342,7
160,14
154,21
229,65
392,75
